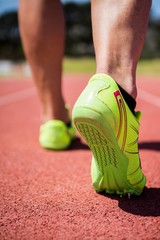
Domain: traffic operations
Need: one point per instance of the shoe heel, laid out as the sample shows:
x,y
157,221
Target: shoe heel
x,y
109,164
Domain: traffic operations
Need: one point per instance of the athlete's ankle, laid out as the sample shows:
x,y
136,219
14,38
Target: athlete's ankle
x,y
131,102
128,91
124,78
50,113
129,87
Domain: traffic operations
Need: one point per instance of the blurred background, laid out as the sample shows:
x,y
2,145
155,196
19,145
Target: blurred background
x,y
79,51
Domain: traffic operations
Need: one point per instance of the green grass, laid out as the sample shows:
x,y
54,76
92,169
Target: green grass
x,y
79,65
149,67
87,65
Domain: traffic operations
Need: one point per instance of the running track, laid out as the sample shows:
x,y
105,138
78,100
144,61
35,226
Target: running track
x,y
48,195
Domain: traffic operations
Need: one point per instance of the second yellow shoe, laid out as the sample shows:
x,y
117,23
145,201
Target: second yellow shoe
x,y
56,135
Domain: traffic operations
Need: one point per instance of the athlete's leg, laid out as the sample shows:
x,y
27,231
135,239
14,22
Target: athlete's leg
x,y
42,32
119,29
101,114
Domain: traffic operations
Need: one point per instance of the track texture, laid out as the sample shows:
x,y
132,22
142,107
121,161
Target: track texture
x,y
48,195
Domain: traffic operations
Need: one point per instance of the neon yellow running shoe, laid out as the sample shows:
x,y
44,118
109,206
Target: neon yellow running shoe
x,y
56,135
111,131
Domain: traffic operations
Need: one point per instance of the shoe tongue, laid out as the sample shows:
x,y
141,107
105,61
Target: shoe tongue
x,y
138,115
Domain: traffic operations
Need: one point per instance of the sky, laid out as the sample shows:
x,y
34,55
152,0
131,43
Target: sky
x,y
8,5
155,11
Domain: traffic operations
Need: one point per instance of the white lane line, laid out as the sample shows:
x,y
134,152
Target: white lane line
x,y
23,94
149,97
17,96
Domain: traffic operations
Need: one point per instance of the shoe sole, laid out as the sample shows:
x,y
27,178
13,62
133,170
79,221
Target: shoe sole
x,y
109,161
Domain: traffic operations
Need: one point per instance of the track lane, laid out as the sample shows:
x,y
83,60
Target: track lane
x,y
48,195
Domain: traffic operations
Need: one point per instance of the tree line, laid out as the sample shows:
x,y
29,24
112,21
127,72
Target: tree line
x,y
78,34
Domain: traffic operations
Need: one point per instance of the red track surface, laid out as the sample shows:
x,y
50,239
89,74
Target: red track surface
x,y
48,195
